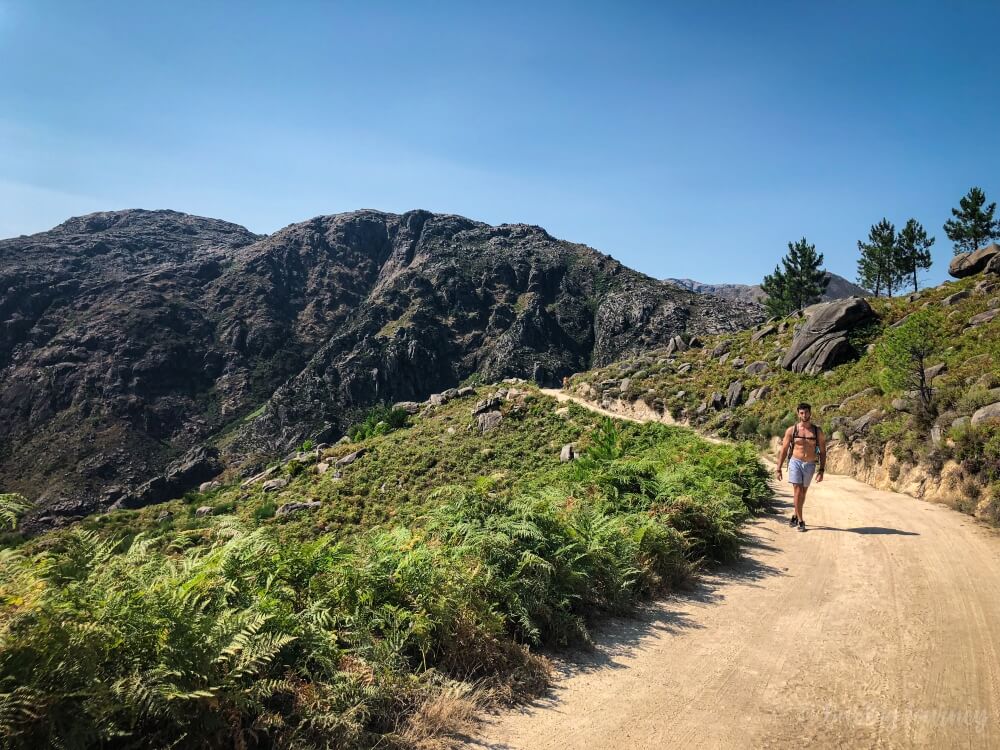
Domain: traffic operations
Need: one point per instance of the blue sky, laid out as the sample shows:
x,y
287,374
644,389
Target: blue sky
x,y
685,139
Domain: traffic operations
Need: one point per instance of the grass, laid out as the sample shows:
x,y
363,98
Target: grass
x,y
435,567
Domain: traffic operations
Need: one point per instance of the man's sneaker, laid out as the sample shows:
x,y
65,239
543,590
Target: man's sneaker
x,y
793,520
802,525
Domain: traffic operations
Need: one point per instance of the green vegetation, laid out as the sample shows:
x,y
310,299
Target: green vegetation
x,y
913,248
437,561
889,260
941,334
380,420
12,506
799,282
878,266
973,224
905,352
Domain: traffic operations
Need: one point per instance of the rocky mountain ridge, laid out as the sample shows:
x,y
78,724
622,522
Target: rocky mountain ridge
x,y
838,288
142,352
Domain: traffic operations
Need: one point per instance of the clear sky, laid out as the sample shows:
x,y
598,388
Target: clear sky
x,y
690,139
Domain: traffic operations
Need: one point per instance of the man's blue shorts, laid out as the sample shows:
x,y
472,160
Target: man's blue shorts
x,y
801,472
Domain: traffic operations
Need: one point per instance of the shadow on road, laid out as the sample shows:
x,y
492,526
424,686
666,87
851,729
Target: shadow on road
x,y
866,530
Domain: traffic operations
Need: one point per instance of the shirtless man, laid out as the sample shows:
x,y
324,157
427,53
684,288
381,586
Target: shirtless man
x,y
807,445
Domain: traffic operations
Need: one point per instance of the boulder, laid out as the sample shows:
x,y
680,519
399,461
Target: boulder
x,y
273,485
491,403
954,299
259,477
717,401
723,358
828,407
934,370
757,368
984,317
739,362
568,453
822,342
350,458
410,407
436,399
721,348
322,468
734,394
993,265
960,423
466,391
625,383
695,343
287,508
209,486
758,394
684,368
860,394
936,435
676,344
488,421
989,413
204,510
969,264
762,333
164,516
864,422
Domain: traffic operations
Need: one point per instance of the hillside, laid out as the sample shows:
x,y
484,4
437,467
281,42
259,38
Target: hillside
x,y
368,594
837,288
143,352
743,385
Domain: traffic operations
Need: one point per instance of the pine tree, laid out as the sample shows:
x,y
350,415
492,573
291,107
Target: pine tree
x,y
913,250
775,286
800,281
973,226
879,264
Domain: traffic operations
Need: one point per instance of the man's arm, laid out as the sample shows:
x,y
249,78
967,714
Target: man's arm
x,y
822,456
781,454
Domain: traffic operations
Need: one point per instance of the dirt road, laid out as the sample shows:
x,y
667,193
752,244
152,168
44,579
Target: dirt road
x,y
877,628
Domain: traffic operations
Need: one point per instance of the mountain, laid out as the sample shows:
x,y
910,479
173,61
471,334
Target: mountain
x,y
141,352
838,288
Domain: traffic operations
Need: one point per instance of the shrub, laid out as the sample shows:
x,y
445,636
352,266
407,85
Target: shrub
x,y
380,420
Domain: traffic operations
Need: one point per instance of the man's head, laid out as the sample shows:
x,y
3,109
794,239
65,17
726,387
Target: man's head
x,y
805,412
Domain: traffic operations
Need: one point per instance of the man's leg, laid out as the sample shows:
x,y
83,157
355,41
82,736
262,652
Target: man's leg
x,y
800,500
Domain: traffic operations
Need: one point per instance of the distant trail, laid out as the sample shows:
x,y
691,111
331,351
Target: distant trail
x,y
878,628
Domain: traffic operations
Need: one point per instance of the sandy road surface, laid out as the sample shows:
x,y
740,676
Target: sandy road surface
x,y
877,628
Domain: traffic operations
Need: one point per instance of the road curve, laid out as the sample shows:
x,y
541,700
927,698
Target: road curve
x,y
877,628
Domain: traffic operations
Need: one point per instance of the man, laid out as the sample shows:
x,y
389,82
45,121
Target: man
x,y
806,444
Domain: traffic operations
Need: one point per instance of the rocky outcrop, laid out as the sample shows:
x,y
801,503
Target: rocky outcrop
x,y
822,342
969,264
734,394
953,299
837,288
988,413
488,421
130,338
984,317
